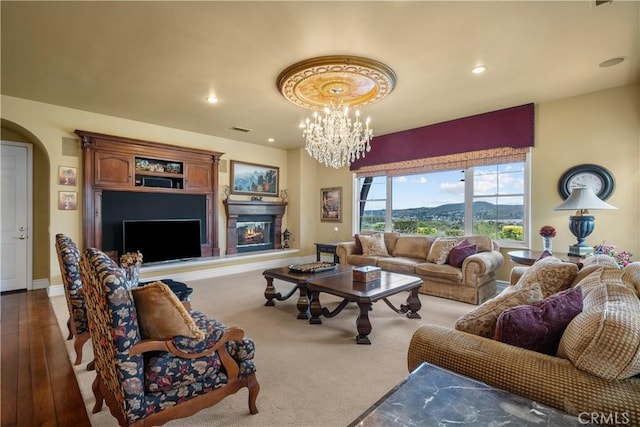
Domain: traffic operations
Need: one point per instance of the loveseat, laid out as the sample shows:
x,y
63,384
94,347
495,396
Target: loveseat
x,y
595,372
470,280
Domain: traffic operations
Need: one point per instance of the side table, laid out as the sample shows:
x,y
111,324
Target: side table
x,y
327,248
529,257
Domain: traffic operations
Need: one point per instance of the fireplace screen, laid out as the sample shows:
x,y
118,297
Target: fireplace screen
x,y
255,235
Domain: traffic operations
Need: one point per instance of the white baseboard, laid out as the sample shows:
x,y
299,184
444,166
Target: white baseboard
x,y
40,284
58,290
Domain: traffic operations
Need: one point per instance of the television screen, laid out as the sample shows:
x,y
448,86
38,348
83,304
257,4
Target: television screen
x,y
162,239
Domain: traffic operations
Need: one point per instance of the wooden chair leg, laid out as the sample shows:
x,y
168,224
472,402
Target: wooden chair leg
x,y
254,389
97,393
69,329
78,344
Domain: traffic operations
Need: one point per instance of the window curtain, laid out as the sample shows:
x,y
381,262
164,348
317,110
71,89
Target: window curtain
x,y
502,136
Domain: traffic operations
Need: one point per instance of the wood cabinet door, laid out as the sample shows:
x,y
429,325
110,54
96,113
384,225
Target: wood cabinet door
x,y
113,169
197,177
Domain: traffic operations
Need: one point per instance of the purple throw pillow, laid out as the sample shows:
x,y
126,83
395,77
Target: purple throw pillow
x,y
460,252
544,254
358,250
539,327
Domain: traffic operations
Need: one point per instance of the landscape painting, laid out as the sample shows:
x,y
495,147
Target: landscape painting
x,y
254,179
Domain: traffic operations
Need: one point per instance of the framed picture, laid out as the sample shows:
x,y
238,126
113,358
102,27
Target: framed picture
x,y
331,204
254,179
67,175
67,200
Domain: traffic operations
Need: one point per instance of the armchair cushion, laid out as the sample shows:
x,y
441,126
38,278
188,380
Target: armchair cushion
x,y
161,315
551,273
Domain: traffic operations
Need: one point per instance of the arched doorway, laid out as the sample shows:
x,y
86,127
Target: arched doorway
x,y
39,201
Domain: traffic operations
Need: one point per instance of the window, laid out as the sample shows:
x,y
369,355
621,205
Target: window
x,y
490,200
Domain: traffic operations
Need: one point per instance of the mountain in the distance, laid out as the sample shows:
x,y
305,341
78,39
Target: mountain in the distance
x,y
480,210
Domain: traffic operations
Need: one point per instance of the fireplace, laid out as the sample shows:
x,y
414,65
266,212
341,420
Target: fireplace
x,y
254,233
253,225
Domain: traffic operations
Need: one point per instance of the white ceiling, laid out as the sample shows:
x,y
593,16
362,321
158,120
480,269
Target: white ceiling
x,y
155,62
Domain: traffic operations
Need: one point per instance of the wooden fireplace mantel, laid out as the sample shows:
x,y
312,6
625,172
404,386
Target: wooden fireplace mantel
x,y
235,208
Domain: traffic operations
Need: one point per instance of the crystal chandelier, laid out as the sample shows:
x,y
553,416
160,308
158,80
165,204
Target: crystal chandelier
x,y
334,139
334,84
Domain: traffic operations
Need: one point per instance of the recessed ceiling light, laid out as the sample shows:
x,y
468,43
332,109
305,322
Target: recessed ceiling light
x,y
611,62
270,140
212,99
479,69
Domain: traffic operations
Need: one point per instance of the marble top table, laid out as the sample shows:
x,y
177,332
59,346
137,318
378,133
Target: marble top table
x,y
432,396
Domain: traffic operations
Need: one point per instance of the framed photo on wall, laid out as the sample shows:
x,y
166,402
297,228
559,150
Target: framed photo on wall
x,y
254,179
67,175
67,200
331,204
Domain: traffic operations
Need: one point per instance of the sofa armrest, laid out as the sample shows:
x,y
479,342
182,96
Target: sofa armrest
x,y
345,249
479,265
516,274
546,379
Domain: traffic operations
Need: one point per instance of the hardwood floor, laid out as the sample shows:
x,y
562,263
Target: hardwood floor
x,y
38,387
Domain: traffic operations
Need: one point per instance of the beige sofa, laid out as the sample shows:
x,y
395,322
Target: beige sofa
x,y
596,370
473,283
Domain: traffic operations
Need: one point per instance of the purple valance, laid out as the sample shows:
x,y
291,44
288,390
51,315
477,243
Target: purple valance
x,y
511,127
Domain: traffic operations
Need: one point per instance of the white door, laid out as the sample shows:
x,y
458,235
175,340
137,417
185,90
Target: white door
x,y
15,257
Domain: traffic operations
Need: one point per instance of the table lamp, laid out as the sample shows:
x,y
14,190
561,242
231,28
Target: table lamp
x,y
581,224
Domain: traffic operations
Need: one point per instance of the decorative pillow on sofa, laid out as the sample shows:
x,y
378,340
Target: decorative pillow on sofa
x,y
604,339
373,245
552,274
161,315
482,320
631,277
358,250
461,251
540,326
439,251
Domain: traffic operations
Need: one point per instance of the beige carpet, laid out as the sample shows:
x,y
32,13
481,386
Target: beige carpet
x,y
310,375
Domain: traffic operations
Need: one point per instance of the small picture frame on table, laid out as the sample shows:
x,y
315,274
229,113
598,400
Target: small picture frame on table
x,y
67,175
331,204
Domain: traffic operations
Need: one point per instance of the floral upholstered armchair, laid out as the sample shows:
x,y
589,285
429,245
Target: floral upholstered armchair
x,y
69,260
167,374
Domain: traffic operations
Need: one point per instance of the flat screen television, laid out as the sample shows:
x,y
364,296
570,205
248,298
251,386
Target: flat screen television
x,y
162,239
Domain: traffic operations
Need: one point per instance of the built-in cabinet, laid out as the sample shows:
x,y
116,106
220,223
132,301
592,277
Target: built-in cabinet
x,y
113,163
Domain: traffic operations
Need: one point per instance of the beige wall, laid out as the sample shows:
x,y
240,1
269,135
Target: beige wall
x,y
50,128
601,127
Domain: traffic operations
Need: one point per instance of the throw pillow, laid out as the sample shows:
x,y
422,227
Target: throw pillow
x,y
460,252
482,320
358,250
161,315
552,274
373,245
631,277
540,326
439,251
544,254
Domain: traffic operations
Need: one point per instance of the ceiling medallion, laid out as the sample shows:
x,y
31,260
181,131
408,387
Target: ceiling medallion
x,y
312,83
333,84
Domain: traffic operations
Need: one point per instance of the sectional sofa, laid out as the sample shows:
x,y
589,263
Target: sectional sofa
x,y
592,370
473,281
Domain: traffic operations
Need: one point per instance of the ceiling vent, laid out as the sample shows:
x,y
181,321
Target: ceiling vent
x,y
240,129
597,3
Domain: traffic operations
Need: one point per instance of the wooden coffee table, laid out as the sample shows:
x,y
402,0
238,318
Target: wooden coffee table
x,y
364,294
300,283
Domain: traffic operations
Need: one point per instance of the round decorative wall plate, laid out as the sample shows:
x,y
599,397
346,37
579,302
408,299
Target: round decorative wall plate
x,y
351,80
598,178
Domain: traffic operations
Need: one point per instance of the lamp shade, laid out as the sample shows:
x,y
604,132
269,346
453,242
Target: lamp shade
x,y
583,198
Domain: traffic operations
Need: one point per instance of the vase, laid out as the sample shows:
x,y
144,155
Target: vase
x,y
132,274
547,244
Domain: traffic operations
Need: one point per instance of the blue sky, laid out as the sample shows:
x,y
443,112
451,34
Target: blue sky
x,y
435,189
